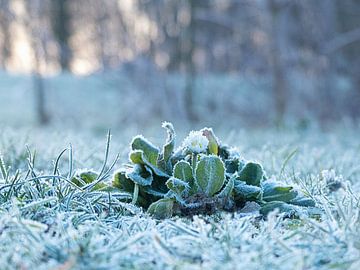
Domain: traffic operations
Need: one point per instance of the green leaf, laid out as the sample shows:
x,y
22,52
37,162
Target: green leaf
x,y
177,185
88,176
83,178
77,181
99,186
283,207
244,192
274,191
140,175
138,157
251,174
227,190
122,182
303,201
162,208
213,145
151,152
183,171
210,174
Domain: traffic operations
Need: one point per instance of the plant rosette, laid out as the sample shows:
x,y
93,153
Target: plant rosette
x,y
201,177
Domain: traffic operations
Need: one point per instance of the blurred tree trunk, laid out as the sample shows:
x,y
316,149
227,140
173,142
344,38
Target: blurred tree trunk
x,y
348,44
279,84
42,115
101,32
328,74
190,68
37,42
5,31
61,29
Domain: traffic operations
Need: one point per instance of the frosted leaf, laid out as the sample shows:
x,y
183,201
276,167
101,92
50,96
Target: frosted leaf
x,y
210,174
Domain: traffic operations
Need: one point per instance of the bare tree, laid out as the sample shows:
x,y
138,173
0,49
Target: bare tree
x,y
60,20
5,19
188,47
38,45
278,67
347,43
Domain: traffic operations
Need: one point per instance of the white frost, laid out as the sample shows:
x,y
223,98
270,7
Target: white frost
x,y
196,142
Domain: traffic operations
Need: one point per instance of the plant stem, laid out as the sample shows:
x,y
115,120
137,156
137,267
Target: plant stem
x,y
193,163
136,194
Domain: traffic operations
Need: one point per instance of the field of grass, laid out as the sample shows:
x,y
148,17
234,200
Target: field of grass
x,y
47,223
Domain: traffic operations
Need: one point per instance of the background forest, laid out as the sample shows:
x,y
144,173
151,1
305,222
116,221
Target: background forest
x,y
277,80
101,64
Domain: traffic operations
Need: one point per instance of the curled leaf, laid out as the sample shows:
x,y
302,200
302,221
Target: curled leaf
x,y
164,159
150,151
213,145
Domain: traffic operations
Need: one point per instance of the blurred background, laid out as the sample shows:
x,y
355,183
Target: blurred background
x,y
89,64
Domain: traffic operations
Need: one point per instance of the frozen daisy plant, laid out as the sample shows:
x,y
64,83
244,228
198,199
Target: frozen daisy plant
x,y
196,142
202,176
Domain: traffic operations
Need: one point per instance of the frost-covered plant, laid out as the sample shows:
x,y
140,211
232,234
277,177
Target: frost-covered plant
x,y
202,176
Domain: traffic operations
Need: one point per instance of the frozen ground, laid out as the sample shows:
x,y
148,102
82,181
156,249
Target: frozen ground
x,y
71,229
